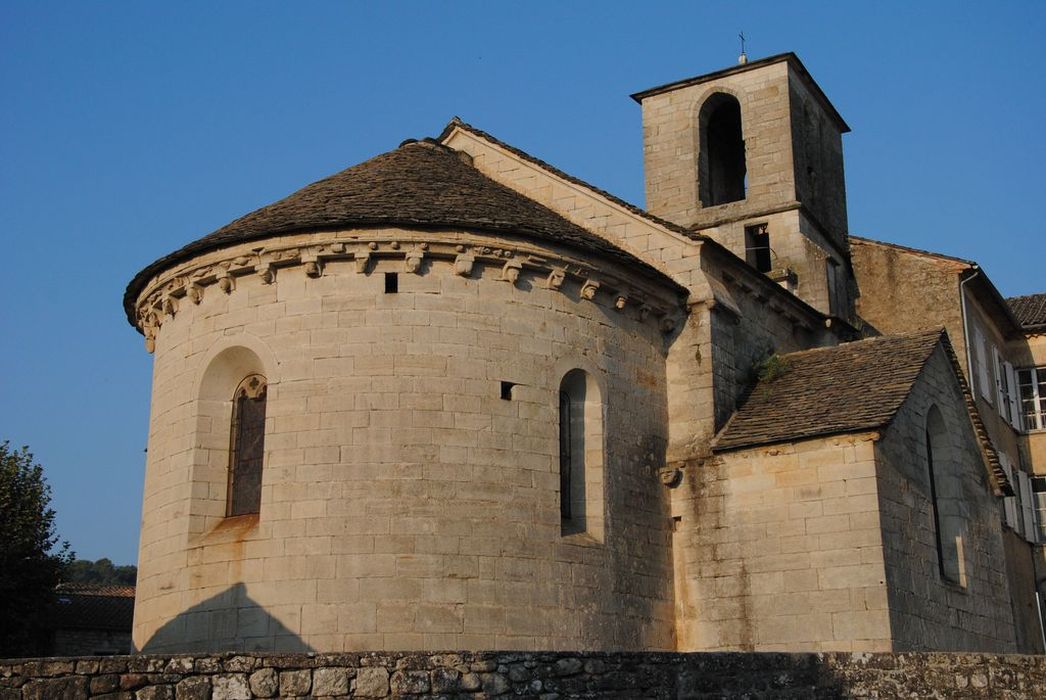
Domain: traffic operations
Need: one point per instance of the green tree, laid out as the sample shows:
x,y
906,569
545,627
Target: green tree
x,y
101,572
32,559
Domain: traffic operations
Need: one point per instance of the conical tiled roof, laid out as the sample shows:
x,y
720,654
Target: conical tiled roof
x,y
420,184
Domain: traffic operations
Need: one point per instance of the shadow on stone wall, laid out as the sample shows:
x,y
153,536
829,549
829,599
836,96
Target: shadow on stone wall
x,y
229,621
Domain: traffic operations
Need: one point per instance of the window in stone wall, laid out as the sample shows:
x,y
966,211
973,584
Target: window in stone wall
x,y
1038,487
722,173
580,456
248,446
757,247
946,500
1032,383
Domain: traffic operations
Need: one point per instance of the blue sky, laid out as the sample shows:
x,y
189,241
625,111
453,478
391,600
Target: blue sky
x,y
128,129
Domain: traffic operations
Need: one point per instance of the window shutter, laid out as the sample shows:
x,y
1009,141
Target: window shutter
x,y
980,366
1027,507
1015,406
999,398
1009,502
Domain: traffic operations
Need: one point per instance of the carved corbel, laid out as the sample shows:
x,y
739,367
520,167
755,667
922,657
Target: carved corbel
x,y
644,312
510,272
362,258
313,268
621,301
589,289
267,272
412,261
169,306
195,292
463,264
555,278
338,248
668,324
149,325
226,282
670,476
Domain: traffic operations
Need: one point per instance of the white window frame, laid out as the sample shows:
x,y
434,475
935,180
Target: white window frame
x,y
1038,490
1036,419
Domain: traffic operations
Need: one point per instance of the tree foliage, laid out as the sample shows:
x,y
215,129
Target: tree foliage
x,y
101,572
32,559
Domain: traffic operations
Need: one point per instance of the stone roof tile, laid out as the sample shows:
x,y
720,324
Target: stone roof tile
x,y
420,184
842,389
1030,310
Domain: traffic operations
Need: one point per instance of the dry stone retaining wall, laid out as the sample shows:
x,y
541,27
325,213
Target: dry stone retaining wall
x,y
550,676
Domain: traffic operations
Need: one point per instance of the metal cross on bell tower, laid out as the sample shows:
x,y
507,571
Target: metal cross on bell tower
x,y
743,58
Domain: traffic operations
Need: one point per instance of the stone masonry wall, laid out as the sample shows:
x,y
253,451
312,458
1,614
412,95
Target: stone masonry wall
x,y
782,551
793,154
926,611
405,503
671,150
549,676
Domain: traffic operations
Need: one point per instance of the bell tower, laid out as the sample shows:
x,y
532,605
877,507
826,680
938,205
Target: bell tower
x,y
752,157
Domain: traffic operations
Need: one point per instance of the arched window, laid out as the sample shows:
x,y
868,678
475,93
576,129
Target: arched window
x,y
247,447
721,164
946,502
580,455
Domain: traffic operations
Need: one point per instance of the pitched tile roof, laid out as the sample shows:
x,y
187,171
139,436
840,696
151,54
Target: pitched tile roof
x,y
842,389
638,211
848,388
1030,310
420,184
86,606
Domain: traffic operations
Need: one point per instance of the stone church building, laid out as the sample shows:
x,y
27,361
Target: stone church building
x,y
454,398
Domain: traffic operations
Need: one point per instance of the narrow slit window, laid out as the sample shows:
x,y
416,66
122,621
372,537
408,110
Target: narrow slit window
x,y
565,509
506,391
757,247
248,446
945,500
581,506
392,283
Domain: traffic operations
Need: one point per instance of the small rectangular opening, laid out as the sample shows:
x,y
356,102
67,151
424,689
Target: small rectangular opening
x,y
757,247
392,282
677,522
506,390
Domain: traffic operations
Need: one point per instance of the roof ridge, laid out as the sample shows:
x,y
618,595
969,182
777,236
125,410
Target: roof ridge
x,y
927,332
910,249
637,210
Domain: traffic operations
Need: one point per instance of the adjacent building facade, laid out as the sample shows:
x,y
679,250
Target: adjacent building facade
x,y
453,397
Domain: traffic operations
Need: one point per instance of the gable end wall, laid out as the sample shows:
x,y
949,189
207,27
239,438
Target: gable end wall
x,y
926,612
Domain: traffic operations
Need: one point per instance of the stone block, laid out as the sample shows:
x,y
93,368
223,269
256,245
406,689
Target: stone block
x,y
193,688
330,682
374,683
230,686
264,683
409,682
